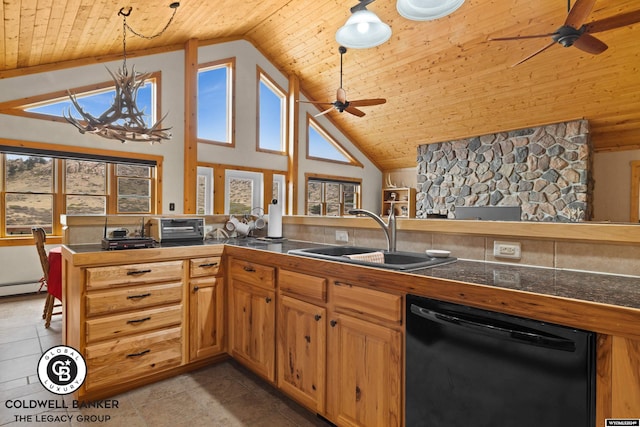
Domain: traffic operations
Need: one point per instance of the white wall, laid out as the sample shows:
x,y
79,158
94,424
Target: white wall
x,y
612,189
20,261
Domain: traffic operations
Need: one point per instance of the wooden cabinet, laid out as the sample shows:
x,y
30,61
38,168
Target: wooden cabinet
x,y
133,316
364,357
301,338
339,350
402,200
206,308
252,316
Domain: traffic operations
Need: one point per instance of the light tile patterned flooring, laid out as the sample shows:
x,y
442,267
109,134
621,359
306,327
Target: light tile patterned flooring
x,y
222,395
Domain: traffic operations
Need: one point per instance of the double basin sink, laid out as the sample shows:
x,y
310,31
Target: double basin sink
x,y
396,260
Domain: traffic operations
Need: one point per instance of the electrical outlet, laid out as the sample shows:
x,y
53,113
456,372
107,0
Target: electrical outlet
x,y
342,236
506,250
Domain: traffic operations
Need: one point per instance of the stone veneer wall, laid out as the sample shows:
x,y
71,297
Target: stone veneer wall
x,y
545,170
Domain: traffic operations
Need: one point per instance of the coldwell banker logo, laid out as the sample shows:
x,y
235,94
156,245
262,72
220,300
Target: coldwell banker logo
x,y
62,370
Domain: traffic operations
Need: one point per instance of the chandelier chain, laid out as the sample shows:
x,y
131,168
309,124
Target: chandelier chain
x,y
126,27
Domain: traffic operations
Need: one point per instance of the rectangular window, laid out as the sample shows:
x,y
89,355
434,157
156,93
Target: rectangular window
x,y
271,115
134,188
85,187
328,197
28,193
215,102
31,194
204,191
243,192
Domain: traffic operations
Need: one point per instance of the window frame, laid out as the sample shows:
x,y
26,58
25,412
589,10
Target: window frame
x,y
311,177
270,83
59,191
18,107
230,63
257,196
351,160
218,172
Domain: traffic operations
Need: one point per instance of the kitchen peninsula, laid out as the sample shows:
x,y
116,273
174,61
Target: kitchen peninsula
x,y
239,298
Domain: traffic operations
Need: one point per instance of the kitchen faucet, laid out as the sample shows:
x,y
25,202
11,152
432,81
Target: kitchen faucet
x,y
389,228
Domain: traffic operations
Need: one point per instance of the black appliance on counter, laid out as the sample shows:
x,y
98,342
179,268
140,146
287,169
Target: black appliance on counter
x,y
471,367
177,230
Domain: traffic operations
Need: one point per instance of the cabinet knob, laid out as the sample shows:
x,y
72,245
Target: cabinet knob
x,y
317,317
195,289
333,323
268,299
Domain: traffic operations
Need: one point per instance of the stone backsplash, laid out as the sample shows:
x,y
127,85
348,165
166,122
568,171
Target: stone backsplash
x,y
544,170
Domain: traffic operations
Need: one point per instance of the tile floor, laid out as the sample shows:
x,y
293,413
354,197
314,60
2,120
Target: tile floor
x,y
222,395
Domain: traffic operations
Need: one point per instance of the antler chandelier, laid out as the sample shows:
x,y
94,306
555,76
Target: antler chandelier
x,y
123,121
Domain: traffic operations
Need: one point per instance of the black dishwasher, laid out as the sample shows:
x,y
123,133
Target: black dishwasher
x,y
471,367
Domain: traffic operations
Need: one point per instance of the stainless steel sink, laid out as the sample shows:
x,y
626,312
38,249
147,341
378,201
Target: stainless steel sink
x,y
402,261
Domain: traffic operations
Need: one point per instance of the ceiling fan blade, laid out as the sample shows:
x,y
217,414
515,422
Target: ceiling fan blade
x,y
328,110
366,102
341,95
354,111
536,36
534,54
316,102
613,22
579,13
590,44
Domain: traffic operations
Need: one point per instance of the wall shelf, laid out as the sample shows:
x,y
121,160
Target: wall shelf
x,y
403,200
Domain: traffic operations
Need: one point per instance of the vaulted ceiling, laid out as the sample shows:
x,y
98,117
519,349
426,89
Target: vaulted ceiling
x,y
443,79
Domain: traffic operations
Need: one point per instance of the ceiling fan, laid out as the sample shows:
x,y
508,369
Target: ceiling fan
x,y
341,104
574,32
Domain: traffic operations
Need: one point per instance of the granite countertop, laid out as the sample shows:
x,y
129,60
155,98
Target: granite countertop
x,y
594,287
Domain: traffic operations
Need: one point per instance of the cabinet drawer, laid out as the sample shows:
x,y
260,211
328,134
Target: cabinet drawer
x,y
134,357
208,266
304,285
132,322
106,277
132,298
252,273
369,302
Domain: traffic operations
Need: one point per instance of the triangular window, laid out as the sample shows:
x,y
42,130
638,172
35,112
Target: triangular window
x,y
94,99
321,146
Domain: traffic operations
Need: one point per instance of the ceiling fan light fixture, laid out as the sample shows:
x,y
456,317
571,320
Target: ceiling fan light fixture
x,y
427,10
362,30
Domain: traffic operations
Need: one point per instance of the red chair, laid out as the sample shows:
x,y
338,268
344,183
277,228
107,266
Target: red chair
x,y
52,278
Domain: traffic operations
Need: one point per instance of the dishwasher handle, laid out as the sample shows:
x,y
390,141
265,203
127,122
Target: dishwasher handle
x,y
513,332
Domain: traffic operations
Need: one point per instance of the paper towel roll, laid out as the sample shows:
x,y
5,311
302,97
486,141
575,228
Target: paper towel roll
x,y
274,227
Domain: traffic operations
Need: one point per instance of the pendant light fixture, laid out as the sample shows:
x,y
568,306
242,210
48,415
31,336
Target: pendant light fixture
x,y
363,29
123,121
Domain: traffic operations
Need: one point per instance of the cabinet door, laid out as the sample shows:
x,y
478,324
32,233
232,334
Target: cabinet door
x,y
365,367
301,351
252,328
206,324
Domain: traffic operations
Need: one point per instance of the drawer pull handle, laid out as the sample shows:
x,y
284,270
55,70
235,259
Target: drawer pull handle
x,y
136,272
249,269
209,264
337,283
142,353
144,319
139,296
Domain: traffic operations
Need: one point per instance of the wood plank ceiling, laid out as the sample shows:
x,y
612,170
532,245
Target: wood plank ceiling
x,y
442,79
